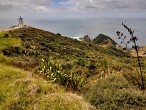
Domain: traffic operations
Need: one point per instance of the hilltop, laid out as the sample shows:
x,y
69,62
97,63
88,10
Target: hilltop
x,y
45,70
36,43
104,40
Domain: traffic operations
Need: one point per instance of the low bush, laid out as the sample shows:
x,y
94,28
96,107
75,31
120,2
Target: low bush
x,y
55,72
11,51
133,78
114,93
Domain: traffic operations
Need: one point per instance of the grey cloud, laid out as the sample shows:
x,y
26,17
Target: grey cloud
x,y
70,7
4,7
35,2
41,2
90,7
125,4
85,5
37,6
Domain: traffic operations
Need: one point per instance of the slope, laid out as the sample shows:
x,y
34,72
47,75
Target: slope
x,y
34,44
21,90
45,54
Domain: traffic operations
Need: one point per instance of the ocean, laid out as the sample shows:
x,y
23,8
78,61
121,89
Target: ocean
x,y
79,27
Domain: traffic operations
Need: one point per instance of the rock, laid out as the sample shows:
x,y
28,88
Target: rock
x,y
86,38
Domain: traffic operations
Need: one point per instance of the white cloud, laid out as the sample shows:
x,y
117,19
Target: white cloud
x,y
92,5
69,7
35,5
77,5
41,9
35,2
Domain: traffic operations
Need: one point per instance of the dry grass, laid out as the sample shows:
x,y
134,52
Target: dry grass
x,y
141,51
21,90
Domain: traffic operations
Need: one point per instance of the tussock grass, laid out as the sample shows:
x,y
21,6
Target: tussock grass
x,y
21,90
10,40
5,59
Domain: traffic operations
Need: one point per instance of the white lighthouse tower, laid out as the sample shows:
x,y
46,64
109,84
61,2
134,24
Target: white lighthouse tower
x,y
20,20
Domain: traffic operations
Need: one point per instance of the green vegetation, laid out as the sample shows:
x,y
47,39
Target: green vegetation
x,y
115,93
56,72
46,71
8,39
102,39
21,90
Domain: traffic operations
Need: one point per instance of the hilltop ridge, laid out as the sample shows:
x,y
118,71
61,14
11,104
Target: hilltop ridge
x,y
45,42
104,40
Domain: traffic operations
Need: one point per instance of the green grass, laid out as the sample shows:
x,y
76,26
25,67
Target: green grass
x,y
8,41
19,90
42,44
103,39
5,59
116,93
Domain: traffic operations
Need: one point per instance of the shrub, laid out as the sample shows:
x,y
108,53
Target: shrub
x,y
58,34
134,79
69,80
115,93
11,51
55,72
81,62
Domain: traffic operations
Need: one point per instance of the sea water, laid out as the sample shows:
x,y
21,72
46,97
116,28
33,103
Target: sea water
x,y
79,27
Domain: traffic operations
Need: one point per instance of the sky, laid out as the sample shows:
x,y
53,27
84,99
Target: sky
x,y
72,8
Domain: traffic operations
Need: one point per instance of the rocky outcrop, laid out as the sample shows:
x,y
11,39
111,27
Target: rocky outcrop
x,y
86,38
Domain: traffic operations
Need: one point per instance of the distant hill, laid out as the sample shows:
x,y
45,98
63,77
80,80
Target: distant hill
x,y
104,40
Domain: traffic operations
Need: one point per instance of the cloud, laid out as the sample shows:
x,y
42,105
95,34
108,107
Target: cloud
x,y
34,2
74,5
41,9
4,7
35,5
69,7
95,5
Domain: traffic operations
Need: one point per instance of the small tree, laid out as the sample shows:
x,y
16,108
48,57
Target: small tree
x,y
133,39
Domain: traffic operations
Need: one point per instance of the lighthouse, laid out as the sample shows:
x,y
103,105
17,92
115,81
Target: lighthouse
x,y
20,20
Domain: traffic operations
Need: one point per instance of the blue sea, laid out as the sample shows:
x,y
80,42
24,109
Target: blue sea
x,y
79,27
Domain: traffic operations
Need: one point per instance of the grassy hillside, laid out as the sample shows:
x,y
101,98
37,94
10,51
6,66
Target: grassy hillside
x,y
102,39
7,39
73,55
41,70
21,90
37,44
